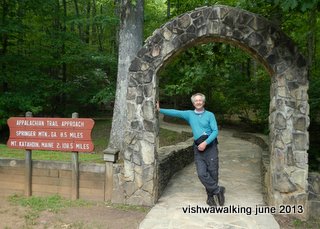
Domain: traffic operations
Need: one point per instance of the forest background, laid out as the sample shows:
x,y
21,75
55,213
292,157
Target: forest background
x,y
61,56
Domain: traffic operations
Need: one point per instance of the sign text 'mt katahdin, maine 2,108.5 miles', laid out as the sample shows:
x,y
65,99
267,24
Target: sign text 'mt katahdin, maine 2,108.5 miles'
x,y
60,134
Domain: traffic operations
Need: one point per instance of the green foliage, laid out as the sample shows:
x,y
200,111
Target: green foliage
x,y
231,80
302,5
56,58
154,16
178,7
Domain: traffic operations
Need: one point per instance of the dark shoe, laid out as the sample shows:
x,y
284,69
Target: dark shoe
x,y
220,195
210,201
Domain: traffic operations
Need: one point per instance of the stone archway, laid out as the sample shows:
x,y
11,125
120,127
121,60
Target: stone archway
x,y
289,109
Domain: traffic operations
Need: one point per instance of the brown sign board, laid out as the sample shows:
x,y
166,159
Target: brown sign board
x,y
57,134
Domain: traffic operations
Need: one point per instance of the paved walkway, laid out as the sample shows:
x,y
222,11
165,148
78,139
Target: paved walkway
x,y
183,203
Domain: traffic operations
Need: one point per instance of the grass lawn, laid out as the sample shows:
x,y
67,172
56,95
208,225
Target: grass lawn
x,y
100,136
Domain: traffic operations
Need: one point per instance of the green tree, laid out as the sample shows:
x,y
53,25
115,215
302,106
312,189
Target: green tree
x,y
57,57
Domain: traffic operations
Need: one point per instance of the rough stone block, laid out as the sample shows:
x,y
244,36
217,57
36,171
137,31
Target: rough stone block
x,y
303,107
257,23
166,33
184,21
299,177
199,22
128,171
282,183
139,99
280,121
280,159
147,152
300,141
292,85
244,18
279,142
290,157
135,65
148,110
216,14
176,43
282,92
149,137
148,90
314,183
300,123
214,28
300,93
301,159
149,187
287,136
148,172
131,93
136,158
281,81
187,37
139,180
127,154
156,38
136,125
254,39
156,50
141,197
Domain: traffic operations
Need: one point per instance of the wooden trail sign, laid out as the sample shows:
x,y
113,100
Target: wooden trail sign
x,y
58,134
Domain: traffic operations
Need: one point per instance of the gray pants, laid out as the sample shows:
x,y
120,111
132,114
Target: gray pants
x,y
207,164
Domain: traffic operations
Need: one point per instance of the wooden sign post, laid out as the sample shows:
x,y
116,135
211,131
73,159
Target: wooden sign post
x,y
28,168
54,134
75,170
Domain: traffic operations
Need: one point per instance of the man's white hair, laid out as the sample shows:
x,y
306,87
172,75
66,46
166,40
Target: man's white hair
x,y
198,94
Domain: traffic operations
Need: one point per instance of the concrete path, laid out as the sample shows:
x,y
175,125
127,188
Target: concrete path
x,y
183,203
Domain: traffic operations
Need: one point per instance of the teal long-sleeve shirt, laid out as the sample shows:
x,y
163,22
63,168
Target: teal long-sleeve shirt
x,y
201,124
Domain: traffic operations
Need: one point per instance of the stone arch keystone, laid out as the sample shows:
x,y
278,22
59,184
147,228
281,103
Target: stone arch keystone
x,y
289,110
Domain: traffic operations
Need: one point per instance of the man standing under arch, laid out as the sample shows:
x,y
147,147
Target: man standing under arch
x,y
205,131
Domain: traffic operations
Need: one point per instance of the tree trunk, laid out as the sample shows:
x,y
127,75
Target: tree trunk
x,y
63,52
130,41
100,30
311,38
87,28
94,25
168,9
248,68
4,45
78,17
